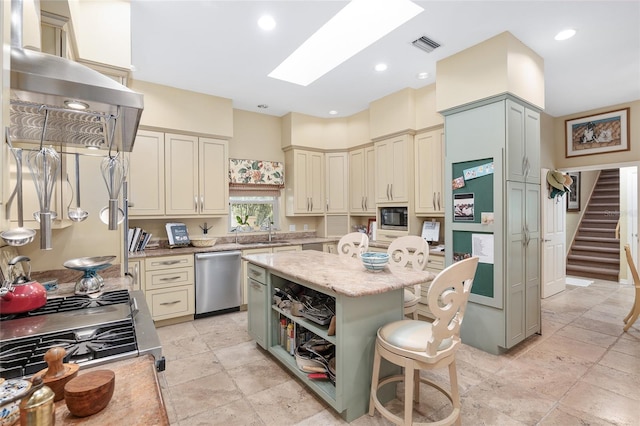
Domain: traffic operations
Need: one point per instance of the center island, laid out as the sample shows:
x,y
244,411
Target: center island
x,y
361,301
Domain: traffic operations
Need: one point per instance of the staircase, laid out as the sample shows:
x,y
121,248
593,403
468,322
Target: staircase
x,y
595,252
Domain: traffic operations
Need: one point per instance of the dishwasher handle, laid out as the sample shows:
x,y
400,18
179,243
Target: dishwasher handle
x,y
209,255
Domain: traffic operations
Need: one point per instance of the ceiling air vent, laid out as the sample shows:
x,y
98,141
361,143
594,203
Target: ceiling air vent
x,y
425,44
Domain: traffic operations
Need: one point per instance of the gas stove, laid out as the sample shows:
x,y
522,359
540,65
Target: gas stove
x,y
93,330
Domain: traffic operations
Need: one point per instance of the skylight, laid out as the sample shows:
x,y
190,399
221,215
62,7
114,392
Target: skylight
x,y
358,25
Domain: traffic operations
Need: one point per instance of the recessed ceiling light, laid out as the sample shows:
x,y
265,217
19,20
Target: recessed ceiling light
x,y
422,75
335,42
266,22
565,34
381,67
333,112
76,105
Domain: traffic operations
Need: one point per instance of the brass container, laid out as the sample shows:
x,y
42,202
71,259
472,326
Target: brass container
x,y
38,408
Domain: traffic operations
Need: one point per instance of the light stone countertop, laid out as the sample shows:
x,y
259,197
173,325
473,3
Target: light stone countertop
x,y
338,274
110,284
137,399
259,242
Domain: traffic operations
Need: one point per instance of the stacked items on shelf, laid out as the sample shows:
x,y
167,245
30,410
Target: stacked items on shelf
x,y
138,239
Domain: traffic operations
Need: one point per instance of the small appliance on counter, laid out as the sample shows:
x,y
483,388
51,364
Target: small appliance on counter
x,y
177,234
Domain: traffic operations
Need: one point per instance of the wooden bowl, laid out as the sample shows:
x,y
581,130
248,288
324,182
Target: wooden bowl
x,y
89,393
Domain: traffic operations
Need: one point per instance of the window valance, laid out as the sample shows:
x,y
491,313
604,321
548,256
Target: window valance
x,y
255,175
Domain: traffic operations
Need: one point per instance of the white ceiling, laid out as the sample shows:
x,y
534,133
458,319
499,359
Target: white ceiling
x,y
216,47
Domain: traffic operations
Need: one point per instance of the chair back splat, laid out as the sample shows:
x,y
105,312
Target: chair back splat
x,y
409,250
447,297
413,252
353,244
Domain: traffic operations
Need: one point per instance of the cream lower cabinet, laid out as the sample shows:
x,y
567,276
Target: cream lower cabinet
x,y
304,183
196,176
429,166
146,174
169,286
394,166
362,181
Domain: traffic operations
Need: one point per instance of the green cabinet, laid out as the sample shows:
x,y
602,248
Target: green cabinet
x,y
257,304
504,131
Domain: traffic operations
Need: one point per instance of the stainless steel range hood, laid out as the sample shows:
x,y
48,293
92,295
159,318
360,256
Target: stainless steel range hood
x,y
43,83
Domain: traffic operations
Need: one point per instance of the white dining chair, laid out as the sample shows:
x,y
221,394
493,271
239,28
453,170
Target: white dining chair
x,y
421,345
410,251
353,244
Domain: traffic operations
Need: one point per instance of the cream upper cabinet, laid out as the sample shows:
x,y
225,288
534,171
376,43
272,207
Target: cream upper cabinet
x,y
362,181
337,182
196,176
213,173
392,171
146,174
304,182
429,163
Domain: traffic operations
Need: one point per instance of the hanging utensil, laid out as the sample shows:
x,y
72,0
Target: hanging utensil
x,y
44,165
76,214
20,235
114,172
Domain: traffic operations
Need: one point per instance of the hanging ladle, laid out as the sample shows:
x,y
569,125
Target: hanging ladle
x,y
77,214
18,236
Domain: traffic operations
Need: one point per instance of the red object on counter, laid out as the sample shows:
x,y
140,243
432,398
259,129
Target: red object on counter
x,y
23,294
23,298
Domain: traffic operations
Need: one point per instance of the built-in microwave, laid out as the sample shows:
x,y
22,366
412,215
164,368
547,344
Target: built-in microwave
x,y
396,218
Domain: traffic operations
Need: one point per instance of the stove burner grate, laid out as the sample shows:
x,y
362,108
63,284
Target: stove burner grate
x,y
73,303
25,356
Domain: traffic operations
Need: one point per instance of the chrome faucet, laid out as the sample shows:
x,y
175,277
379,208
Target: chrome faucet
x,y
269,228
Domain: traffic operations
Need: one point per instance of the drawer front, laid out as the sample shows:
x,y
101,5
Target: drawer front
x,y
168,262
171,303
257,273
170,278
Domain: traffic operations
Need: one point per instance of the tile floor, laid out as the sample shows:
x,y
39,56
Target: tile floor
x,y
582,370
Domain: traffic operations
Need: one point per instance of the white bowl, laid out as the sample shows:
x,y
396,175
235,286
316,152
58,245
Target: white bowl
x,y
374,261
203,241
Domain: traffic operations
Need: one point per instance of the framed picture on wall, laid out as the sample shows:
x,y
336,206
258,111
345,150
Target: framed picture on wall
x,y
598,134
573,197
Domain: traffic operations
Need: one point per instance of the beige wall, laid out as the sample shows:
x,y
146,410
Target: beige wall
x,y
501,64
392,114
102,31
587,182
600,159
168,108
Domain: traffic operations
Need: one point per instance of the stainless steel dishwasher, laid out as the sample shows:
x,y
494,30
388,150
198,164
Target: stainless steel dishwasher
x,y
218,286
